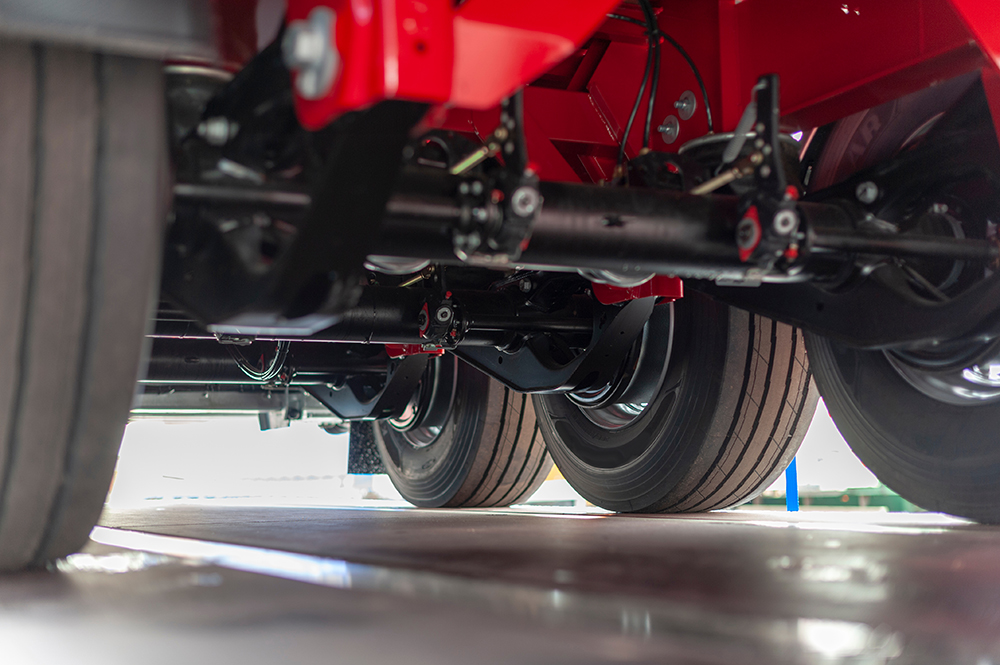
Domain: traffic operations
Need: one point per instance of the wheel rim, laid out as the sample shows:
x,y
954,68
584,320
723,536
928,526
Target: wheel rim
x,y
967,375
960,373
428,411
623,401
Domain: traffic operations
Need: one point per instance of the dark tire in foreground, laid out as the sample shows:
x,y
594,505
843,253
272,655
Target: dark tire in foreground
x,y
726,418
467,441
81,208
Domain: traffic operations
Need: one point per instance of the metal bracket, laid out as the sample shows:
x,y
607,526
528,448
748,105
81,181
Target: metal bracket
x,y
769,232
529,370
389,402
498,212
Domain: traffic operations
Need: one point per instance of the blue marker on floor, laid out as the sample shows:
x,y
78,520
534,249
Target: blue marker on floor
x,y
792,488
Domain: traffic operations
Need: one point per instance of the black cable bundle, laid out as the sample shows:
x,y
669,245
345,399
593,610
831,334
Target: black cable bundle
x,y
654,34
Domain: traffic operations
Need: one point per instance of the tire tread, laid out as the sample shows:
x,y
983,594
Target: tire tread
x,y
86,274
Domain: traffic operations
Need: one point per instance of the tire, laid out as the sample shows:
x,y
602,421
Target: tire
x,y
486,452
941,457
938,453
728,417
81,167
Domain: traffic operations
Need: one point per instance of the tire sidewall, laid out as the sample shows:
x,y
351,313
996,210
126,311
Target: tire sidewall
x,y
430,476
666,469
935,455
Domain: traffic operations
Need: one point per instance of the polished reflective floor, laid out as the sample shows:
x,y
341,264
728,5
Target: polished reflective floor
x,y
217,584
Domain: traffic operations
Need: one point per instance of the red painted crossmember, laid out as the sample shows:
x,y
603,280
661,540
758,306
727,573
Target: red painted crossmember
x,y
661,286
470,56
401,350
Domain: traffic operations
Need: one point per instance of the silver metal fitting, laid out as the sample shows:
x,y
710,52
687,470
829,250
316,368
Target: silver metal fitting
x,y
525,201
218,130
785,221
686,105
443,314
670,129
310,52
866,192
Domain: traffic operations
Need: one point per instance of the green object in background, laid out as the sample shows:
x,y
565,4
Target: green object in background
x,y
857,497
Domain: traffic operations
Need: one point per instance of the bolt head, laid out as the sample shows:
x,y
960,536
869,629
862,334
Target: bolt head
x,y
303,45
525,285
670,129
525,201
866,192
785,221
686,105
217,130
443,314
309,51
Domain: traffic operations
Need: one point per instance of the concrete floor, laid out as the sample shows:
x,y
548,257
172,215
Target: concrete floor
x,y
306,585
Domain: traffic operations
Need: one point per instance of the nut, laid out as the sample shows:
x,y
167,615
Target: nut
x,y
310,52
443,314
217,130
686,105
670,129
525,201
867,192
785,221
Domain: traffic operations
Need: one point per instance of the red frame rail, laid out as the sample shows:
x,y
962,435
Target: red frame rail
x,y
835,58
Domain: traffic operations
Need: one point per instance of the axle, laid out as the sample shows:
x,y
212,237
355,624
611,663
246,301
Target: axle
x,y
626,230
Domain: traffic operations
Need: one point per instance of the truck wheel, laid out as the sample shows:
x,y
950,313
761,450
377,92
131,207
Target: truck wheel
x,y
81,168
711,411
464,440
924,420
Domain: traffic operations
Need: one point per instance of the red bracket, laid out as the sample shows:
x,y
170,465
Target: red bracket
x,y
748,233
470,56
660,286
